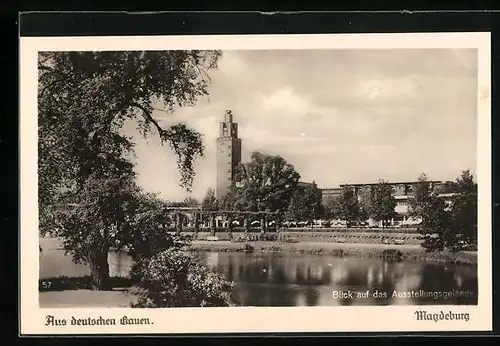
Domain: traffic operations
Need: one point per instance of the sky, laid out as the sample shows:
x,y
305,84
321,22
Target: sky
x,y
339,116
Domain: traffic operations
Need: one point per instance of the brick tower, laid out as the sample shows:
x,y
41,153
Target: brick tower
x,y
228,154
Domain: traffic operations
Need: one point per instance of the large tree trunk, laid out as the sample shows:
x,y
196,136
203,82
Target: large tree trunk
x,y
99,266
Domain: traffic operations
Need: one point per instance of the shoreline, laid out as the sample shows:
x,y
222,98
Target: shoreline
x,y
409,252
354,250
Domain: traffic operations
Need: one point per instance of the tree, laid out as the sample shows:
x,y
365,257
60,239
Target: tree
x,y
191,202
426,205
382,203
464,208
145,232
365,201
209,202
84,99
305,204
330,208
187,202
421,195
266,183
90,223
348,206
234,199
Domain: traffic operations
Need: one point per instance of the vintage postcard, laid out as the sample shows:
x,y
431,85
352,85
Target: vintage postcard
x,y
255,183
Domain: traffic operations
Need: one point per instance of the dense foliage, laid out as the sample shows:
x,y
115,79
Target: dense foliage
x,y
306,204
266,183
329,207
435,221
209,202
382,203
443,226
87,194
463,208
348,207
84,98
174,279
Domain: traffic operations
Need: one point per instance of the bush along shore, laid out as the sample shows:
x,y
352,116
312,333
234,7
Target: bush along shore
x,y
396,246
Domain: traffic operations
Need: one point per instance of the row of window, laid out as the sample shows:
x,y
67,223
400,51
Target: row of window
x,y
407,188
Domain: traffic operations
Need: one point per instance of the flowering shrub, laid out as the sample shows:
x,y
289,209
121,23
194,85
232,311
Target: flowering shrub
x,y
172,278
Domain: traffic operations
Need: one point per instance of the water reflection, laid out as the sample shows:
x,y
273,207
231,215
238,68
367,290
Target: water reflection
x,y
301,280
56,263
306,280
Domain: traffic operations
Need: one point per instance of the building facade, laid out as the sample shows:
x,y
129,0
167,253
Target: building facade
x,y
228,154
401,191
304,184
330,194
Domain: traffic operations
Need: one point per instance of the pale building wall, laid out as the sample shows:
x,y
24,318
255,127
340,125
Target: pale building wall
x,y
401,192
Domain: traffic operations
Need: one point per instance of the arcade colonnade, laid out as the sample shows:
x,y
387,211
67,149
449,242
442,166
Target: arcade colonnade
x,y
229,220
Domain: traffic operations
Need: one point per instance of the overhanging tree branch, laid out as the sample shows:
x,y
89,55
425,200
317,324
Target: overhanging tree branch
x,y
147,115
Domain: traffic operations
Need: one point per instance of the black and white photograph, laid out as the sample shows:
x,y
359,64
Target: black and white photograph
x,y
259,177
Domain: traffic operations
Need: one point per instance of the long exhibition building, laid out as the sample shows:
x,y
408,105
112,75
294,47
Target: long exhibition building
x,y
401,191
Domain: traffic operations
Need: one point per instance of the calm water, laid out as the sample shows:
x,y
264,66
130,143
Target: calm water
x,y
307,280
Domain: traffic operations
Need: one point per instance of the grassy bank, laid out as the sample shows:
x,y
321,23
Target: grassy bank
x,y
63,283
66,292
322,235
363,250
